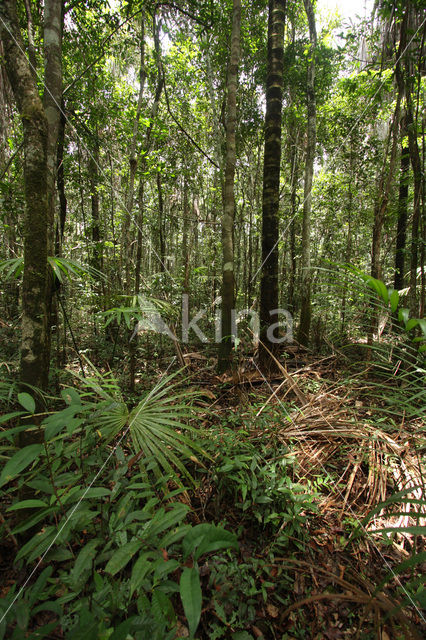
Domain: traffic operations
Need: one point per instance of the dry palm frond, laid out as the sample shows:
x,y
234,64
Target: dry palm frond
x,y
359,591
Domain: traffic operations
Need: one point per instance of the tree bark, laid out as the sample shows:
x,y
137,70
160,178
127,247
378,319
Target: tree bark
x,y
34,340
228,276
271,179
52,100
306,279
133,158
401,233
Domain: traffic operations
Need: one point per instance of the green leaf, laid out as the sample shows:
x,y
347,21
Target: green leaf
x,y
403,315
71,396
422,325
394,299
379,287
413,322
38,586
22,459
143,565
190,594
22,613
9,416
122,556
84,559
204,538
27,504
123,630
87,627
27,402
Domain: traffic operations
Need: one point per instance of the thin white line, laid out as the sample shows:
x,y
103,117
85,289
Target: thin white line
x,y
334,157
368,533
76,506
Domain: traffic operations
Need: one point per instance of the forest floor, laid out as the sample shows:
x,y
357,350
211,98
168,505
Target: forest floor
x,y
311,563
345,453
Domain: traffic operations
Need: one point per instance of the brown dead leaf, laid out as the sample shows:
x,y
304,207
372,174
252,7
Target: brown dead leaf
x,y
272,610
181,631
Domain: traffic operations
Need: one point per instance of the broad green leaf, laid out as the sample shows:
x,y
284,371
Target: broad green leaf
x,y
413,322
22,613
204,538
22,459
38,586
122,556
394,299
379,287
422,325
403,315
162,607
416,530
84,559
71,396
9,416
123,630
27,402
27,504
87,627
37,544
143,565
165,520
191,596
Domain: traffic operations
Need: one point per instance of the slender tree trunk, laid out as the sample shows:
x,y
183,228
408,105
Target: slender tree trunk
x,y
271,179
60,183
423,228
97,253
306,280
161,224
348,252
228,275
293,212
133,158
185,239
34,341
30,36
401,233
418,182
52,100
404,76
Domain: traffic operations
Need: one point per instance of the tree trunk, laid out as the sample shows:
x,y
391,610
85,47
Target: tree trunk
x,y
306,280
52,99
402,211
34,342
133,158
271,179
418,181
228,276
293,213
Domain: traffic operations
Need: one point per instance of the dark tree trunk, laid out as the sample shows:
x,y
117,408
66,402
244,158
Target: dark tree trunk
x,y
34,341
401,233
271,180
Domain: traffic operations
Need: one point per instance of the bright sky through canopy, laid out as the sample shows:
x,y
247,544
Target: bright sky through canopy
x,y
347,8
